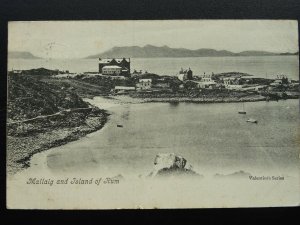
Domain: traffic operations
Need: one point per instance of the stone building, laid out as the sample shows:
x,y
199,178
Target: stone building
x,y
107,63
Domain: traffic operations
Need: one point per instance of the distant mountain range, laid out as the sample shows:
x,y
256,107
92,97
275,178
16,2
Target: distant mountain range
x,y
21,55
150,51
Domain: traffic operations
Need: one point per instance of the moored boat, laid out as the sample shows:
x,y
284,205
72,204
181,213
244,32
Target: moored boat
x,y
242,111
252,120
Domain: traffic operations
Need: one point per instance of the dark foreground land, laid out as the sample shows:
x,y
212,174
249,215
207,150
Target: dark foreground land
x,y
41,116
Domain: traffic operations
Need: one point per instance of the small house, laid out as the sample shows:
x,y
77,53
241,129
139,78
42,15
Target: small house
x,y
144,84
276,83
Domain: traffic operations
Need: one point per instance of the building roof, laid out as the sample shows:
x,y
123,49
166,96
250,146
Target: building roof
x,y
108,60
105,60
145,80
208,82
230,78
205,82
261,86
112,67
120,59
124,88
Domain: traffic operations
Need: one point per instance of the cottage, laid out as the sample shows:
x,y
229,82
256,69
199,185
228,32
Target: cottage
x,y
206,78
144,84
276,83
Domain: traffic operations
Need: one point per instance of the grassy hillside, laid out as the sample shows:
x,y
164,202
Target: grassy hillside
x,y
29,97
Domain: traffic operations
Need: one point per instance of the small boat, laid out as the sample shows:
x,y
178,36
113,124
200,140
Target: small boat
x,y
119,125
252,120
243,110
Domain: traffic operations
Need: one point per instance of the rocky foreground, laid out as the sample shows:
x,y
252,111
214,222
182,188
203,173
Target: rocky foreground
x,y
41,116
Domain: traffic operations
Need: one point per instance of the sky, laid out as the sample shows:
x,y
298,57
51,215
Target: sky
x,y
78,39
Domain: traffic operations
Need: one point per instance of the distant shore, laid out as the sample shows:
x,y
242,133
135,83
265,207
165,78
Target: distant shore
x,y
128,99
206,100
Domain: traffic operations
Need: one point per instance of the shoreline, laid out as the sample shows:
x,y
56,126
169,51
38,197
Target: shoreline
x,y
25,142
138,100
23,147
201,100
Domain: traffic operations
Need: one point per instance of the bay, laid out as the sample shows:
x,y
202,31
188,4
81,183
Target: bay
x,y
213,137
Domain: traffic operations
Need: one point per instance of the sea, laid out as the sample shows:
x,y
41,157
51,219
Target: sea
x,y
213,138
259,66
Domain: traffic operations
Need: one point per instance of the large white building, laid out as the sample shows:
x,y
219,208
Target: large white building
x,y
111,70
124,63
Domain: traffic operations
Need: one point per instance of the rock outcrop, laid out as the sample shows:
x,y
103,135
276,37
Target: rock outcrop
x,y
170,164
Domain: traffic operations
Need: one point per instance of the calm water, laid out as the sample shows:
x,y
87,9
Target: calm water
x,y
213,137
269,66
